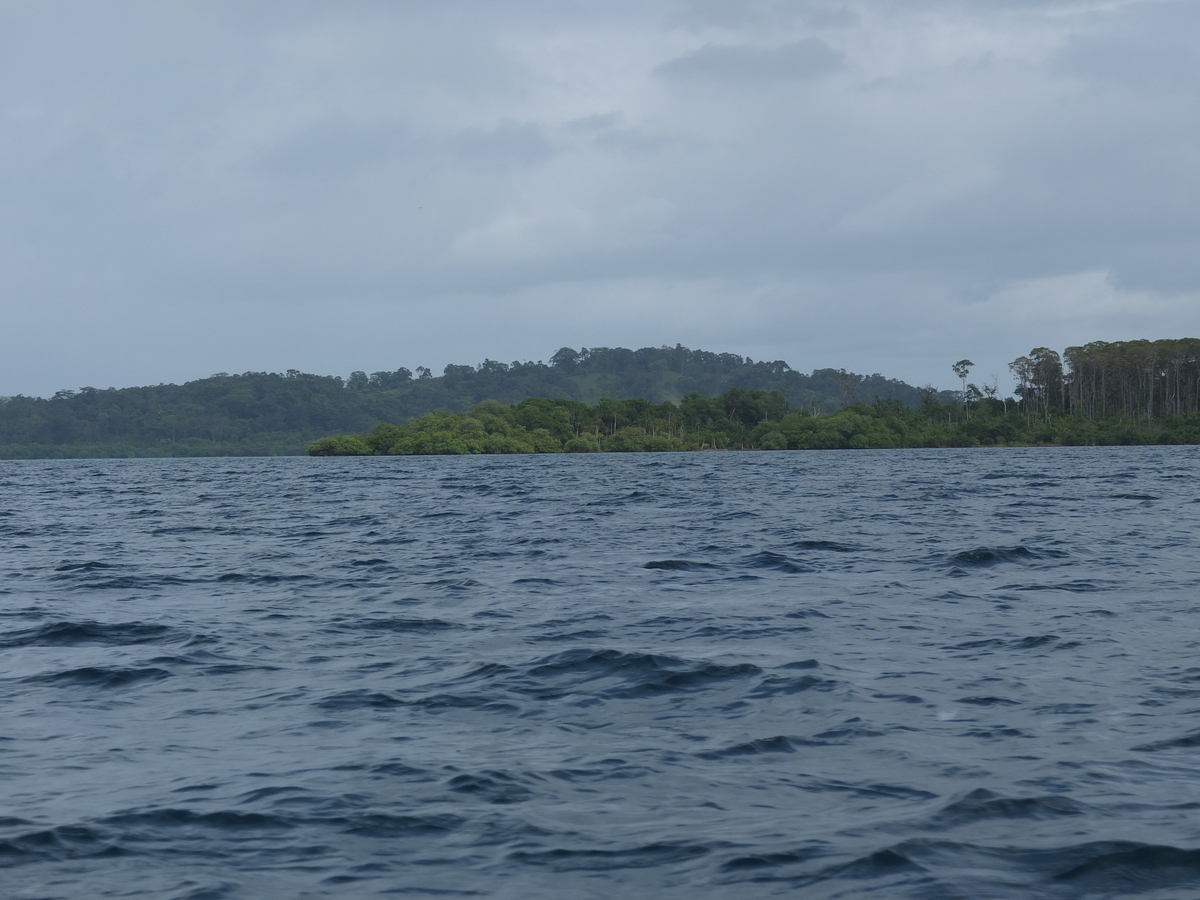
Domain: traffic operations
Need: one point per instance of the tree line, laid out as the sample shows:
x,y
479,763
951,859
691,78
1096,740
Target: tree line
x,y
740,419
265,413
1130,379
1122,392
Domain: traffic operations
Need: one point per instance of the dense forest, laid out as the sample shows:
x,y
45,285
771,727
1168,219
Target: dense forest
x,y
1130,379
263,413
1133,392
741,419
675,398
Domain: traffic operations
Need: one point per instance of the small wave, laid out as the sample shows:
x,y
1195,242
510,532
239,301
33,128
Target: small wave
x,y
829,546
633,497
90,564
397,770
782,686
101,676
236,668
1081,586
131,582
848,732
563,860
1125,866
156,819
615,769
246,578
454,584
400,625
360,699
778,744
985,557
1032,642
464,701
777,561
984,644
988,701
61,843
900,698
994,734
982,804
678,565
392,541
494,787
384,825
70,634
634,674
1191,739
816,850
354,521
889,862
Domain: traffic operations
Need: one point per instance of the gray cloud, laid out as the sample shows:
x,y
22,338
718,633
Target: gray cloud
x,y
807,58
508,144
1156,50
336,148
878,185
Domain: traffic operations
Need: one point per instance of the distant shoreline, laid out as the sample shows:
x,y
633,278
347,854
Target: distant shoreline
x,y
741,420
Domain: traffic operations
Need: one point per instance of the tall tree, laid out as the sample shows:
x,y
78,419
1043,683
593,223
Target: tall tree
x,y
962,369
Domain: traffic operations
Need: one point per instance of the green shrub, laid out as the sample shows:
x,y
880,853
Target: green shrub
x,y
340,445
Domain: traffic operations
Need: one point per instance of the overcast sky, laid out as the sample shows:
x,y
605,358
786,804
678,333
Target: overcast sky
x,y
879,185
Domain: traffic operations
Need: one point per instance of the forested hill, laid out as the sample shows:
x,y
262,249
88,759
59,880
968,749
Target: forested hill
x,y
263,413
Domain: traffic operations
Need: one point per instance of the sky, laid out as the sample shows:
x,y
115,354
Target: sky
x,y
877,185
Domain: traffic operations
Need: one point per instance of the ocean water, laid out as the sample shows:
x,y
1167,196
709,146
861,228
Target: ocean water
x,y
894,674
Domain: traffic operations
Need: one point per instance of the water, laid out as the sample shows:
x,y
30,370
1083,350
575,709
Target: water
x,y
909,674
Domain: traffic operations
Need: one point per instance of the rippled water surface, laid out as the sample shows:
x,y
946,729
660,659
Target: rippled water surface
x,y
908,674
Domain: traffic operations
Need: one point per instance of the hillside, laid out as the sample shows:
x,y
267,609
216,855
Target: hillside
x,y
268,414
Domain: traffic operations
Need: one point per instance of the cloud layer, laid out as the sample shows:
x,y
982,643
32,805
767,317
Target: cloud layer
x,y
882,186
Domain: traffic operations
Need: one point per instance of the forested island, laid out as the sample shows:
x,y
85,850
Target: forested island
x,y
272,414
1137,392
1128,392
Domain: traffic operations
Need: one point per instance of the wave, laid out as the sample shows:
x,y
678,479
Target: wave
x,y
1128,866
1080,586
767,559
72,634
154,820
614,673
1191,739
981,804
494,787
1033,642
922,868
649,855
778,744
65,842
402,625
783,685
985,557
678,565
89,564
829,546
101,676
386,825
361,699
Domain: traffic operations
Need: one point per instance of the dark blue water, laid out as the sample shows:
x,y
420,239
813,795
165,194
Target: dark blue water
x,y
909,674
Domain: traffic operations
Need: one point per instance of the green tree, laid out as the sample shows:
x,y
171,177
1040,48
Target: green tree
x,y
962,369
